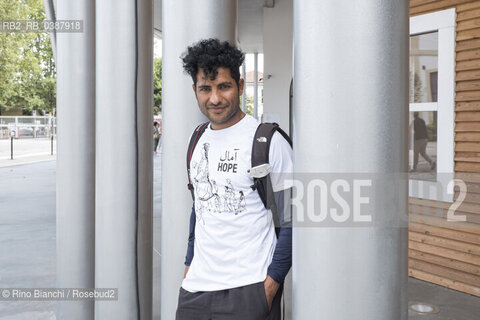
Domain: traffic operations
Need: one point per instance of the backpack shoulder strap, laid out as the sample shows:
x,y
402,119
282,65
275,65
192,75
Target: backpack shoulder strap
x,y
261,142
260,156
284,134
199,130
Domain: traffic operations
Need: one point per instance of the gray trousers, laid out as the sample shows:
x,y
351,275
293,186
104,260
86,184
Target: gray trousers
x,y
242,303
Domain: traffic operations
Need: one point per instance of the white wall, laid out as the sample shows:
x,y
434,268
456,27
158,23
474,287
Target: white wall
x,y
277,50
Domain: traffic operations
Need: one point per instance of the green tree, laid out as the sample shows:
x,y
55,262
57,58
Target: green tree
x,y
157,85
27,76
9,56
248,104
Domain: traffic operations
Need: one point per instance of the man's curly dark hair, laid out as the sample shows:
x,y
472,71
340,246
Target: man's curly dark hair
x,y
210,54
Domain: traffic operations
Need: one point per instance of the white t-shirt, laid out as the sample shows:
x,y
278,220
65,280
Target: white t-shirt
x,y
234,233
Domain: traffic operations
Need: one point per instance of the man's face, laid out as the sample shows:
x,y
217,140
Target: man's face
x,y
218,99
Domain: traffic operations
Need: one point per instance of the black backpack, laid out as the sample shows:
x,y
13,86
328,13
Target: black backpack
x,y
260,170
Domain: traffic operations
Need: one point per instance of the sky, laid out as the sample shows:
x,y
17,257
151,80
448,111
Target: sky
x,y
248,59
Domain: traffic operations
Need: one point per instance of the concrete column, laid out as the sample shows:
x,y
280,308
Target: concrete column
x,y
184,22
124,157
244,94
75,64
278,60
351,116
255,85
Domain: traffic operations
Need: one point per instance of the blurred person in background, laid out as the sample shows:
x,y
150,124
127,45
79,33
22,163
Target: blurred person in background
x,y
157,133
420,137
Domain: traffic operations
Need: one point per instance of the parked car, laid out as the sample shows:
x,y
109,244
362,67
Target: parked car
x,y
25,131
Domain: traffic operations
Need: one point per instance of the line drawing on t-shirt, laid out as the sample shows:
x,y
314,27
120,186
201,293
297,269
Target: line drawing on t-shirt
x,y
203,184
217,203
242,204
234,201
229,197
207,191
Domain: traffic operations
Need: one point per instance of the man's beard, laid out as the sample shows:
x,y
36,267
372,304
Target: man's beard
x,y
227,117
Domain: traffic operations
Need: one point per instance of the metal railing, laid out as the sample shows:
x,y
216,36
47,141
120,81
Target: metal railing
x,y
27,126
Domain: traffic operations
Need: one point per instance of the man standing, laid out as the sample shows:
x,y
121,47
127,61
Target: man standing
x,y
235,265
420,142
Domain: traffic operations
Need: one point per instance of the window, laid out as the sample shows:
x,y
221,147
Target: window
x,y
432,92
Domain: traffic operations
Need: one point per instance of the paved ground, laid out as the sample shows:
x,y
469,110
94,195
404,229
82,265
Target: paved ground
x,y
157,209
452,305
26,150
27,236
27,248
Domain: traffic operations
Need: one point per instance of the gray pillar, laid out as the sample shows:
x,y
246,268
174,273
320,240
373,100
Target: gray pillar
x,y
50,14
76,157
350,91
184,22
244,94
255,85
124,157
